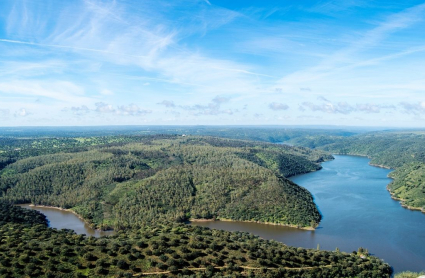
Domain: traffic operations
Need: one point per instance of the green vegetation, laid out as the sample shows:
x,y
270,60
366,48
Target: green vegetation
x,y
137,181
143,187
29,249
408,274
389,149
15,214
409,185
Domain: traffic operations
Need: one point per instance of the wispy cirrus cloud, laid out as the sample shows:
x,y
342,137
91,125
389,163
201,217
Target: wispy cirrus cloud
x,y
104,61
111,33
346,58
63,91
331,7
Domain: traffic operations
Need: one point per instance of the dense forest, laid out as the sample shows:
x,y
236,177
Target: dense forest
x,y
389,149
145,187
409,185
392,149
134,181
28,248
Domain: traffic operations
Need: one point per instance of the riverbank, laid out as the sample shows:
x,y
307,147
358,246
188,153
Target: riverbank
x,y
363,155
73,212
357,212
402,202
258,222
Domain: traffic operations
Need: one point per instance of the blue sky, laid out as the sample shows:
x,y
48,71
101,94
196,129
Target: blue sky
x,y
359,63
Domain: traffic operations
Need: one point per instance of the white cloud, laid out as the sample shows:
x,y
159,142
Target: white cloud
x,y
80,110
64,91
21,113
167,103
132,110
109,57
105,108
278,106
343,107
413,108
102,107
212,108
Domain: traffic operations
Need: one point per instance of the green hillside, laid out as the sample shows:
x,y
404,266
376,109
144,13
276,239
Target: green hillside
x,y
389,149
140,181
409,185
30,249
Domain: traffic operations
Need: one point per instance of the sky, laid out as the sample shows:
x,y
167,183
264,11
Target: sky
x,y
208,62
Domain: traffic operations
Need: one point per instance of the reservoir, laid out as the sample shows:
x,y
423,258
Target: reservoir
x,y
62,219
357,211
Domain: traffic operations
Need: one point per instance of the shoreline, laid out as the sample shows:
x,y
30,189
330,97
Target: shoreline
x,y
71,211
371,164
402,202
249,221
309,228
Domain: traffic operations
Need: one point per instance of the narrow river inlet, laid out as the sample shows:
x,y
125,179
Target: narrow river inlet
x,y
62,219
357,211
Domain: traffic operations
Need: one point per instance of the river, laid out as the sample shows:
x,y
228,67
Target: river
x,y
357,212
62,219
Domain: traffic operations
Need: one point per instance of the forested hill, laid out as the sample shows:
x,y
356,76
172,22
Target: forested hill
x,y
135,181
29,249
389,149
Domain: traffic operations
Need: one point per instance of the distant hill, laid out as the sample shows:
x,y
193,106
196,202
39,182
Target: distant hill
x,y
139,180
403,151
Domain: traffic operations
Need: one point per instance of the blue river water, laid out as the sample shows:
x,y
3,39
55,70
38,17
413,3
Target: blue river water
x,y
357,212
